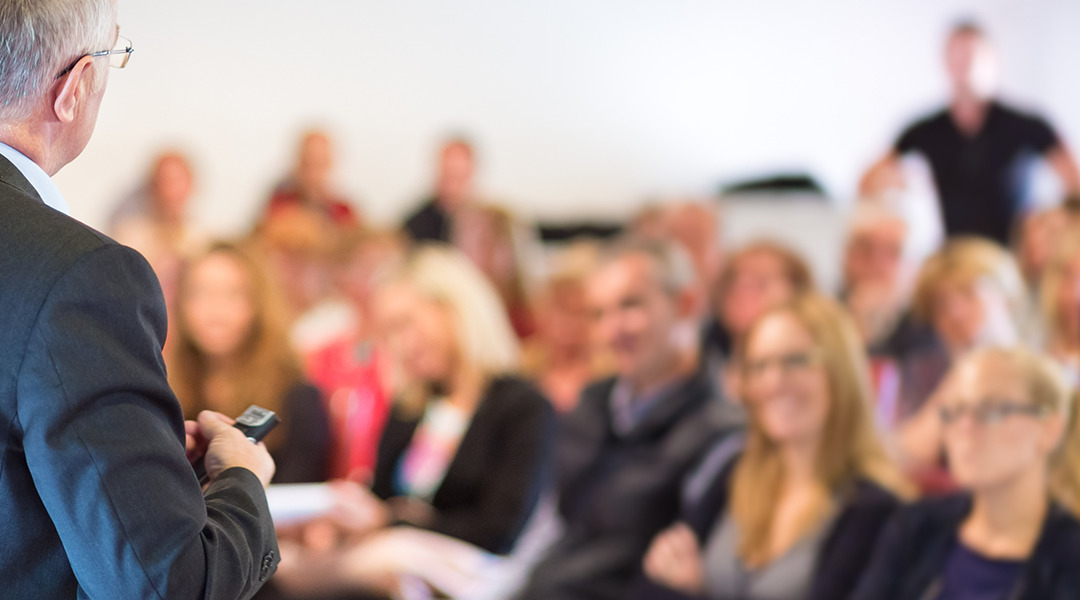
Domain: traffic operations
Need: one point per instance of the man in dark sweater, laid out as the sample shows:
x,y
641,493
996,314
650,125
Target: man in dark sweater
x,y
980,150
625,451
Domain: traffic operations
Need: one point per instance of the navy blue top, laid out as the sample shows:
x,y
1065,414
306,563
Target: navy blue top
x,y
971,576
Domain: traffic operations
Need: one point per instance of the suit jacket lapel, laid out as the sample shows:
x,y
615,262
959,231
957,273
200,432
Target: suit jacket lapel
x,y
12,177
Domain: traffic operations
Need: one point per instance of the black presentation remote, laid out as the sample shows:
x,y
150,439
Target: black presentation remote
x,y
255,423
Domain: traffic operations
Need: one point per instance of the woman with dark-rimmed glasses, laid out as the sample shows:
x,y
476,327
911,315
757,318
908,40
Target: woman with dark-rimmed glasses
x,y
1007,422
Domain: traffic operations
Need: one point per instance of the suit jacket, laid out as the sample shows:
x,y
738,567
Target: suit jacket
x,y
97,497
865,509
494,481
618,491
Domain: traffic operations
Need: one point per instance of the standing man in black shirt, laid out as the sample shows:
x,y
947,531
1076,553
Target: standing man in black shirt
x,y
981,151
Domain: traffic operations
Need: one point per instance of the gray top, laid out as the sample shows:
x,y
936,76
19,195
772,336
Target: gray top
x,y
787,577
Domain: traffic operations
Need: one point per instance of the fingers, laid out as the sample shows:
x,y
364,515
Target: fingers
x,y
682,539
194,441
212,424
671,553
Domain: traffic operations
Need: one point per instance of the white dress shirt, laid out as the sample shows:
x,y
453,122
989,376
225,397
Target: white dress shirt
x,y
42,183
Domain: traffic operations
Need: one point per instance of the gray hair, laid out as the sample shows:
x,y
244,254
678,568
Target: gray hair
x,y
673,267
38,39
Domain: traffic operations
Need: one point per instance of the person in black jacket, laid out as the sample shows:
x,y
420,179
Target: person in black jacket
x,y
465,451
792,516
625,450
1006,413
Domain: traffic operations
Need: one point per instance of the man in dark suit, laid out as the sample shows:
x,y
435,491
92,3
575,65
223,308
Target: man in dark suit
x,y
97,495
628,447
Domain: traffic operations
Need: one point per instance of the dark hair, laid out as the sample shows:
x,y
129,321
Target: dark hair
x,y
967,26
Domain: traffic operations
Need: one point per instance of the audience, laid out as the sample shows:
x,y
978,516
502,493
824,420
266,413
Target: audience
x,y
156,221
1005,414
298,244
501,248
1060,300
1037,237
756,277
352,370
695,226
561,357
433,220
971,294
311,185
792,516
461,407
466,404
232,351
876,277
464,452
626,448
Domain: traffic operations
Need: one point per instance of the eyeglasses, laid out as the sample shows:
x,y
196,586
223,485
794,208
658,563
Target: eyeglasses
x,y
989,411
118,56
794,362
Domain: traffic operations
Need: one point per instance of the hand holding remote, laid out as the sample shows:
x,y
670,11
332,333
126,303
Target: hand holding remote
x,y
227,447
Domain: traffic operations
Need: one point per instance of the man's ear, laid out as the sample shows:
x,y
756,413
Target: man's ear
x,y
73,90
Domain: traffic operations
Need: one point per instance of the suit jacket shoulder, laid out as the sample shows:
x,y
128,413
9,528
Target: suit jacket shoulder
x,y
94,480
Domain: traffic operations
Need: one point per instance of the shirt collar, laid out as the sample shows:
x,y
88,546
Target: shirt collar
x,y
629,409
42,183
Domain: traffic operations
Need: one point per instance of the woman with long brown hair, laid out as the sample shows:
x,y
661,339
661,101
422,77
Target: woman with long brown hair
x,y
232,351
792,516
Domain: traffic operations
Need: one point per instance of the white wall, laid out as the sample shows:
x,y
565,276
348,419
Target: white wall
x,y
581,107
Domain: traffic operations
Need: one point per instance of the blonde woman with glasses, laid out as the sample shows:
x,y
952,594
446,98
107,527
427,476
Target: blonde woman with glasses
x,y
1009,428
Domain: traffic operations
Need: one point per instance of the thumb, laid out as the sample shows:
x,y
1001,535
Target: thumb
x,y
213,424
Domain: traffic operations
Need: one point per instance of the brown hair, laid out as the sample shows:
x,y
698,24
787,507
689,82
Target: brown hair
x,y
796,271
1053,278
850,448
267,368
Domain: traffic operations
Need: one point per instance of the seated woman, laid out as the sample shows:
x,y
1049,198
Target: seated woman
x,y
755,278
466,445
560,357
972,295
232,351
1006,414
792,516
1060,299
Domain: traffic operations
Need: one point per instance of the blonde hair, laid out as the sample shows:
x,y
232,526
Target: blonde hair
x,y
972,259
849,450
267,367
1048,389
1053,279
485,339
